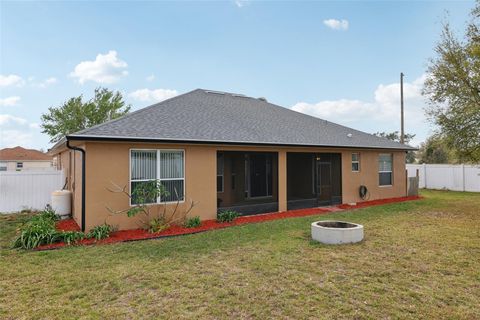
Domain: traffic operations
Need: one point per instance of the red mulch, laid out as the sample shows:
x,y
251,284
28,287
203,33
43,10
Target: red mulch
x,y
140,234
377,202
67,225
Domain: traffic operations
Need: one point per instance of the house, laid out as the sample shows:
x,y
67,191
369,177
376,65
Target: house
x,y
21,159
225,151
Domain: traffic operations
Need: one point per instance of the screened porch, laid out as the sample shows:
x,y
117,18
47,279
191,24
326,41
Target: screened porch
x,y
247,182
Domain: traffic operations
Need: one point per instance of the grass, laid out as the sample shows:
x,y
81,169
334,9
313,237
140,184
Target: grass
x,y
419,259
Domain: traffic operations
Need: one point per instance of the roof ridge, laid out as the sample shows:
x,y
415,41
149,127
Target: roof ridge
x,y
129,114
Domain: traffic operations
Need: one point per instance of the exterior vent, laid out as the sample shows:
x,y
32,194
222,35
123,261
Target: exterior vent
x,y
349,135
214,92
263,99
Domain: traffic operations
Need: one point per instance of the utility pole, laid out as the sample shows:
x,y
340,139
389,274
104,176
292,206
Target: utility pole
x,y
402,133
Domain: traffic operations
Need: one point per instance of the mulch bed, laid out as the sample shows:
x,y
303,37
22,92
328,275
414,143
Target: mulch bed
x,y
67,225
140,234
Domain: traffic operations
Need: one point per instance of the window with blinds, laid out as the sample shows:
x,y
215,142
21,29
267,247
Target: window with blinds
x,y
385,177
164,166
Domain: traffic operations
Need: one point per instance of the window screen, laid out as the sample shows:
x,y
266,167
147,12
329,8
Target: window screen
x,y
158,166
385,169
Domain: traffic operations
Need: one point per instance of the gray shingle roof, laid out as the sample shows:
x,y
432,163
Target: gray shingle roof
x,y
209,116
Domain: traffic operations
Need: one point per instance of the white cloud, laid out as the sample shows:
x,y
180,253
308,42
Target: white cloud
x,y
336,24
13,138
150,78
156,95
6,119
381,114
241,3
106,68
47,82
11,80
9,102
17,131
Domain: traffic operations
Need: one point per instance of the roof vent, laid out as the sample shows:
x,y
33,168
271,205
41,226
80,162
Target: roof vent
x,y
263,99
349,135
215,92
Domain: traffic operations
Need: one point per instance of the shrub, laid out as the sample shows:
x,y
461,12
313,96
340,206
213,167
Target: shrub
x,y
157,225
40,229
70,237
227,216
100,232
48,213
155,218
192,222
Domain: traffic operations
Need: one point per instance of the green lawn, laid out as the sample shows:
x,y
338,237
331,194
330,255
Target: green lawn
x,y
419,259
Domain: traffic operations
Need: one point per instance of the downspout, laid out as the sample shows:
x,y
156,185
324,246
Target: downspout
x,y
83,179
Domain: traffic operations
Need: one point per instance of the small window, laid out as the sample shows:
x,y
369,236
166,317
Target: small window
x,y
3,166
19,165
220,171
385,177
355,162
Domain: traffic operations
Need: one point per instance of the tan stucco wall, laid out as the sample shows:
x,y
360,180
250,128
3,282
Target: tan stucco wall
x,y
70,163
108,162
368,176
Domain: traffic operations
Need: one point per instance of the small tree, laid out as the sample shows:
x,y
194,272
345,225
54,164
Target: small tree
x,y
153,218
75,114
395,136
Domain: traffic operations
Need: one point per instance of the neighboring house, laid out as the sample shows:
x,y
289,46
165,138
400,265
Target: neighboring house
x,y
21,159
226,151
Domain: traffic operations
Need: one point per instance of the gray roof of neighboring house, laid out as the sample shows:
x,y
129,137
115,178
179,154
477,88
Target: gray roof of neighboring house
x,y
220,117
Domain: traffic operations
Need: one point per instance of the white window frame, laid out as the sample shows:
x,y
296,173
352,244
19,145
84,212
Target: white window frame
x,y
391,171
19,165
158,174
3,166
357,161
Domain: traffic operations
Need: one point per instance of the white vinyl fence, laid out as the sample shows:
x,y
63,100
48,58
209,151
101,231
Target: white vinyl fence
x,y
457,177
28,189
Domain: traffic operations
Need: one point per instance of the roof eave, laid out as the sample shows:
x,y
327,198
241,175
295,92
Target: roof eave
x,y
197,141
58,147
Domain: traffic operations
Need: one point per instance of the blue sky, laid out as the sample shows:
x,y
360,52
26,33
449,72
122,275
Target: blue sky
x,y
336,60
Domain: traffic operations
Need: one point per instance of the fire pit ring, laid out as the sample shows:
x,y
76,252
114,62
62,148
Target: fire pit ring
x,y
336,232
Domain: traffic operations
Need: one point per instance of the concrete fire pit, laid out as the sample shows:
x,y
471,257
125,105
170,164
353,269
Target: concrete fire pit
x,y
336,232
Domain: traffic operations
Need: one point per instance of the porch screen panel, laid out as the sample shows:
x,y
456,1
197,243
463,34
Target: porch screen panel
x,y
143,171
172,175
220,171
